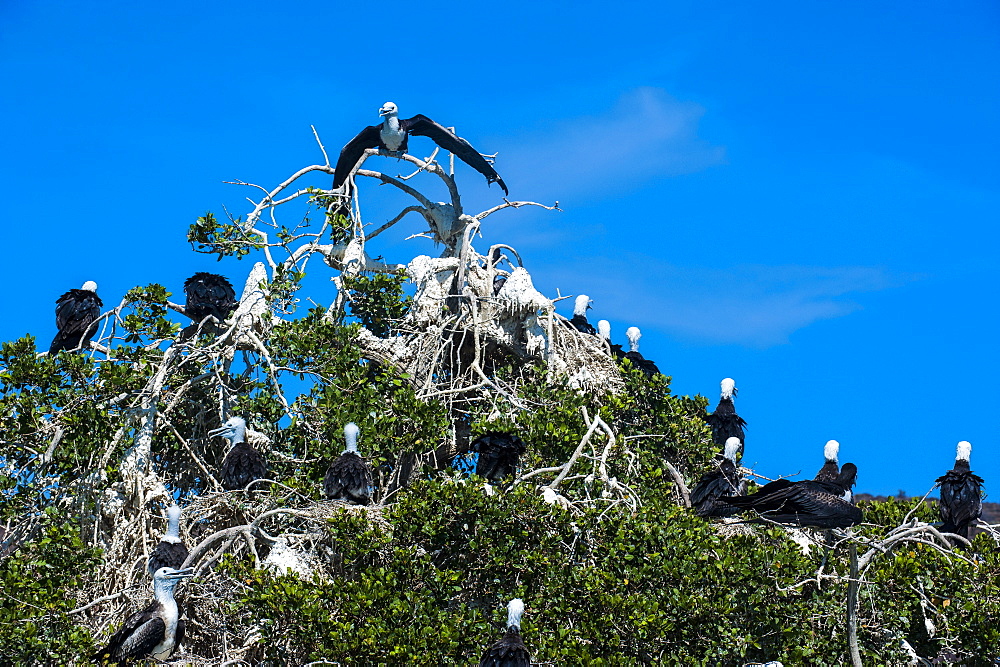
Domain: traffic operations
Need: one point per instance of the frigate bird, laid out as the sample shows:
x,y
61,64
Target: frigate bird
x,y
153,632
243,464
76,312
498,454
170,552
393,135
349,477
209,294
604,332
723,481
645,365
817,504
510,651
961,502
831,468
724,422
579,320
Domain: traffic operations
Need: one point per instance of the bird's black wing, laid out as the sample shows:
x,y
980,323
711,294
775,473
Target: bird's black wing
x,y
167,554
76,311
139,634
499,454
352,152
348,478
209,294
422,126
580,323
510,651
961,501
242,465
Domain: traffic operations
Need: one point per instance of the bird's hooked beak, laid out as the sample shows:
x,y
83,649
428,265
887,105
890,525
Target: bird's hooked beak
x,y
225,431
181,574
386,109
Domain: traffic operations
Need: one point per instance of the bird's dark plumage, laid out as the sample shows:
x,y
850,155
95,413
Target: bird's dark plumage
x,y
831,468
961,502
805,503
714,485
581,324
242,465
643,364
167,554
510,651
349,478
209,294
76,311
420,126
498,454
724,422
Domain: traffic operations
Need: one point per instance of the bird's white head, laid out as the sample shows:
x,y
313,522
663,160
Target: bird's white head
x,y
351,432
633,334
165,580
388,109
964,451
830,450
732,448
581,305
604,329
90,286
515,608
173,523
234,430
728,387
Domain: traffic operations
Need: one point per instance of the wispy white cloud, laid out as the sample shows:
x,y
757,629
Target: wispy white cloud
x,y
758,306
646,134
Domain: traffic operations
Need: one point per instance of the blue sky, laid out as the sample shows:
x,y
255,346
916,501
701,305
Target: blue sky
x,y
802,196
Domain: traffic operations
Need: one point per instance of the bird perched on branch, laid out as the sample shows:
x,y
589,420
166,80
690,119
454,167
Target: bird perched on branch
x,y
961,502
349,477
76,312
170,552
393,135
643,364
723,481
604,332
510,651
209,294
153,632
831,468
243,464
808,503
724,422
498,454
579,320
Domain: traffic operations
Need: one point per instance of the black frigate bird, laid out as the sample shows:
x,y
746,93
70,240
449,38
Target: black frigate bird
x,y
723,481
209,294
498,454
393,135
170,552
76,312
961,502
831,466
724,422
510,651
642,363
807,503
153,632
349,477
243,464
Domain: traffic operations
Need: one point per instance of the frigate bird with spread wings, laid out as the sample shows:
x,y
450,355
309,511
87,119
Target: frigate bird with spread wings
x,y
393,135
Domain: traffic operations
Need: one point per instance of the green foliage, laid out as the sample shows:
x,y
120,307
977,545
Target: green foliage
x,y
36,583
208,235
378,301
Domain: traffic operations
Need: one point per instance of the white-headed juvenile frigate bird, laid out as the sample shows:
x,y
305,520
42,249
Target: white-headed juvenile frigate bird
x,y
498,454
723,481
604,332
808,503
961,502
510,651
831,467
579,320
349,477
393,135
209,294
724,422
76,312
642,363
243,464
153,632
170,552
